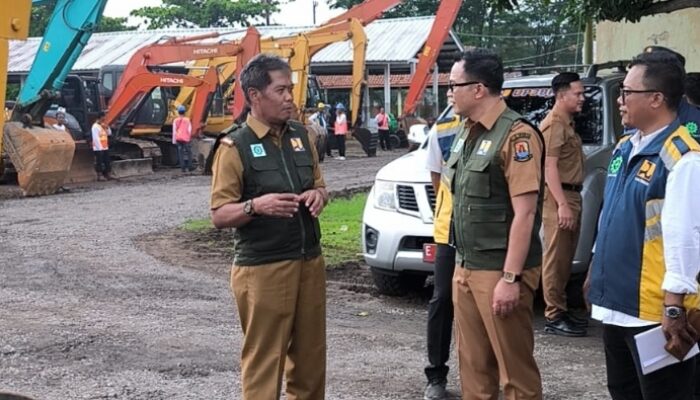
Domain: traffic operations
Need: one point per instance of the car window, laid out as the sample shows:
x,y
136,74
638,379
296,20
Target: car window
x,y
534,104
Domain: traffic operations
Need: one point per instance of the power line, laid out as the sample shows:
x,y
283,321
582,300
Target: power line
x,y
568,48
517,36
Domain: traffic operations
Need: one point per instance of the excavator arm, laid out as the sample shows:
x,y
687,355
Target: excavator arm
x,y
365,12
70,27
43,157
445,17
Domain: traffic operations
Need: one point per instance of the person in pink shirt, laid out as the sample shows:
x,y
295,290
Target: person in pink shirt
x,y
182,136
341,129
383,122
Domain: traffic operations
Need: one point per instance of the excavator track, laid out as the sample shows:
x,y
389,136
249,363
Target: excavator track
x,y
135,157
42,157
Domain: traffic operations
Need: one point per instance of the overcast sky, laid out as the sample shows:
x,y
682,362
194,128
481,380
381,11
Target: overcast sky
x,y
295,12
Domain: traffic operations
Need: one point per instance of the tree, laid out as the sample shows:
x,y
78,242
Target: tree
x,y
41,14
206,13
535,32
615,10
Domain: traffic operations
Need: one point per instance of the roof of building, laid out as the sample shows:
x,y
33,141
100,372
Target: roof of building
x,y
390,40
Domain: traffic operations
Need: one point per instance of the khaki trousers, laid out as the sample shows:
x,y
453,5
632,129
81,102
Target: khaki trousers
x,y
282,307
559,251
493,349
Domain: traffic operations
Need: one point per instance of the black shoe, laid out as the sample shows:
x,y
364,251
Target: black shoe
x,y
562,326
578,320
436,390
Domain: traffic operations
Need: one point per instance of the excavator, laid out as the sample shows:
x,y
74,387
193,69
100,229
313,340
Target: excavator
x,y
42,157
139,79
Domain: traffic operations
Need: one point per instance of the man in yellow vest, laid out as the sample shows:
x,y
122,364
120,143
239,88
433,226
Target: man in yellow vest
x,y
100,146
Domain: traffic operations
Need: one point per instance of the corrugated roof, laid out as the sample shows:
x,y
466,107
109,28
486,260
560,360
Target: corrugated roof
x,y
390,40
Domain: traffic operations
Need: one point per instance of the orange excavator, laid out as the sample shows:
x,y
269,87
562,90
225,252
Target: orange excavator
x,y
139,79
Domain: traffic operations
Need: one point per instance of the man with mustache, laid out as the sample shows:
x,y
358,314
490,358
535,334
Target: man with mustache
x,y
267,184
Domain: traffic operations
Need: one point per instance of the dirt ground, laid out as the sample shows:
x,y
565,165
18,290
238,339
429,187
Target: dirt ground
x,y
102,297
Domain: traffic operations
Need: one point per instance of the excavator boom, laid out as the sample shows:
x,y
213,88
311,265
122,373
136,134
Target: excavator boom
x,y
43,157
365,12
445,17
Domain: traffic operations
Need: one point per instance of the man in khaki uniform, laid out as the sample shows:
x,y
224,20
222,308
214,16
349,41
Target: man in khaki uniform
x,y
497,167
562,202
267,184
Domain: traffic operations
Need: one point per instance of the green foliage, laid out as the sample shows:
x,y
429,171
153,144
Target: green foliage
x,y
206,13
197,225
341,229
618,10
535,32
41,15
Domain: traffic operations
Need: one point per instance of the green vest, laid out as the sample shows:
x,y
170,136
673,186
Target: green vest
x,y
483,213
271,169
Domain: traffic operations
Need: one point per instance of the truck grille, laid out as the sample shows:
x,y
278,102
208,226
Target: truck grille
x,y
407,198
431,196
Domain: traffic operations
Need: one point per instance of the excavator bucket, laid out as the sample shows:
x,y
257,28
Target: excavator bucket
x,y
82,168
42,157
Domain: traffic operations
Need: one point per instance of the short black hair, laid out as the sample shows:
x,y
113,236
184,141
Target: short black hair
x,y
256,74
101,114
484,66
660,49
563,81
692,87
664,73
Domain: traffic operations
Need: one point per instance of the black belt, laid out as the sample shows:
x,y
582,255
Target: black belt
x,y
572,188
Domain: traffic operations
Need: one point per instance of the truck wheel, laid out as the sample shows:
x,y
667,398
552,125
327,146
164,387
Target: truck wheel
x,y
396,285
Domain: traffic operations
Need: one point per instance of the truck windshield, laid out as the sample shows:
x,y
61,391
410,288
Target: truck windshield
x,y
535,102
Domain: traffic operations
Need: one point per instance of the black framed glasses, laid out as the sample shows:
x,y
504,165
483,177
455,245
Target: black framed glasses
x,y
452,85
626,92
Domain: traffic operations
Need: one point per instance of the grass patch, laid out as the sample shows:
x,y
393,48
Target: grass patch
x,y
197,225
341,226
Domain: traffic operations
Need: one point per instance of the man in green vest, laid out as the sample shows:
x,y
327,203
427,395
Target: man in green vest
x,y
267,184
497,165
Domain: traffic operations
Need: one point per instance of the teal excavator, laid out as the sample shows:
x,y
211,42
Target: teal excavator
x,y
43,157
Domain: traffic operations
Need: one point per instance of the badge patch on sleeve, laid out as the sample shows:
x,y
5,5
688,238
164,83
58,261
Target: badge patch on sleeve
x,y
646,172
483,148
297,144
522,150
258,150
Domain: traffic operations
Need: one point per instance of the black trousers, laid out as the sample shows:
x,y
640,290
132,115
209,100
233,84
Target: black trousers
x,y
625,379
441,314
330,140
384,140
102,165
340,141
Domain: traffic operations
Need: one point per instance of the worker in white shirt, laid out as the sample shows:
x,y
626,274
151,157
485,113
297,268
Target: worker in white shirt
x,y
100,146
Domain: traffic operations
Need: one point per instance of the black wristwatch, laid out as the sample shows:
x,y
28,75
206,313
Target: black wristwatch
x,y
248,208
510,277
673,312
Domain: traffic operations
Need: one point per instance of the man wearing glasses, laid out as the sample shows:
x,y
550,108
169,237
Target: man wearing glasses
x,y
495,171
645,263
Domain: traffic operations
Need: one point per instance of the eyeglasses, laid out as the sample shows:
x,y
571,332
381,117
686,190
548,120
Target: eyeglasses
x,y
626,92
451,85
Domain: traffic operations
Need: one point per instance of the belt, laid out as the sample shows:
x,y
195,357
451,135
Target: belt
x,y
572,188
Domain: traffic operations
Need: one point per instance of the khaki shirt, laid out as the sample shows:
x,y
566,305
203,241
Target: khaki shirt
x,y
521,152
564,143
227,170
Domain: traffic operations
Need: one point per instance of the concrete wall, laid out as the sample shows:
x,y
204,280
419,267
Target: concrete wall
x,y
679,31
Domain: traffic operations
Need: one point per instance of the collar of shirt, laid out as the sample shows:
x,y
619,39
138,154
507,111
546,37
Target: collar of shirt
x,y
488,120
261,129
639,142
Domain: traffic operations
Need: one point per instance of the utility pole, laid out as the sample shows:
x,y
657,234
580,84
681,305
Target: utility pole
x,y
314,4
267,12
588,43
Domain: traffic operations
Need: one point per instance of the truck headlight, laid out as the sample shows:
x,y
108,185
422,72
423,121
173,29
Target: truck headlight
x,y
385,195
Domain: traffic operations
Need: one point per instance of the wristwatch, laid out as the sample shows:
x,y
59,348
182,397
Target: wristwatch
x,y
673,312
510,277
248,208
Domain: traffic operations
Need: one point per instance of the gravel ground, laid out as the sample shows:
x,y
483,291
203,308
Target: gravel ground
x,y
95,304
